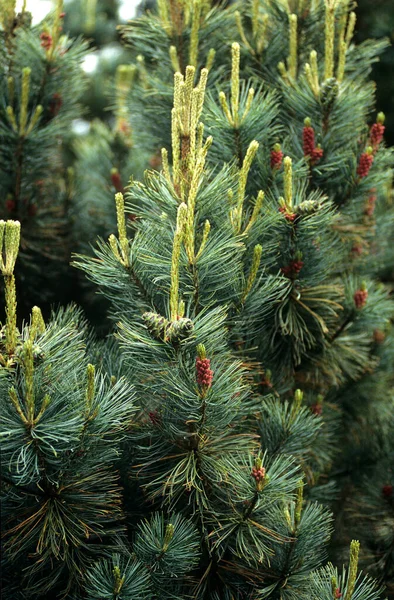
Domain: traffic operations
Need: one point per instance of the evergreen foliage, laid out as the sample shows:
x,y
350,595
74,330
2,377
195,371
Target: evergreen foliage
x,y
97,22
221,439
378,21
41,83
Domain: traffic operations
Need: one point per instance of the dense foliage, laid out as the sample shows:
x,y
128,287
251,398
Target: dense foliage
x,y
239,416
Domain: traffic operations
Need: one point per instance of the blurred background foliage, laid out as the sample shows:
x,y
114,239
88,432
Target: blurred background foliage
x,y
376,20
97,21
103,157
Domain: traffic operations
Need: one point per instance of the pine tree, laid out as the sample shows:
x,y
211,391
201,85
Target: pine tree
x,y
41,83
104,157
62,426
248,386
97,22
45,162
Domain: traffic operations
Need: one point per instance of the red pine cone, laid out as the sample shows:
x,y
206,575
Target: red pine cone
x,y
378,336
316,409
357,249
287,215
10,205
204,372
155,161
286,270
338,593
293,268
360,298
265,382
308,137
116,181
154,417
258,474
364,165
124,127
387,491
276,159
297,266
370,205
46,40
376,134
311,151
55,104
316,155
